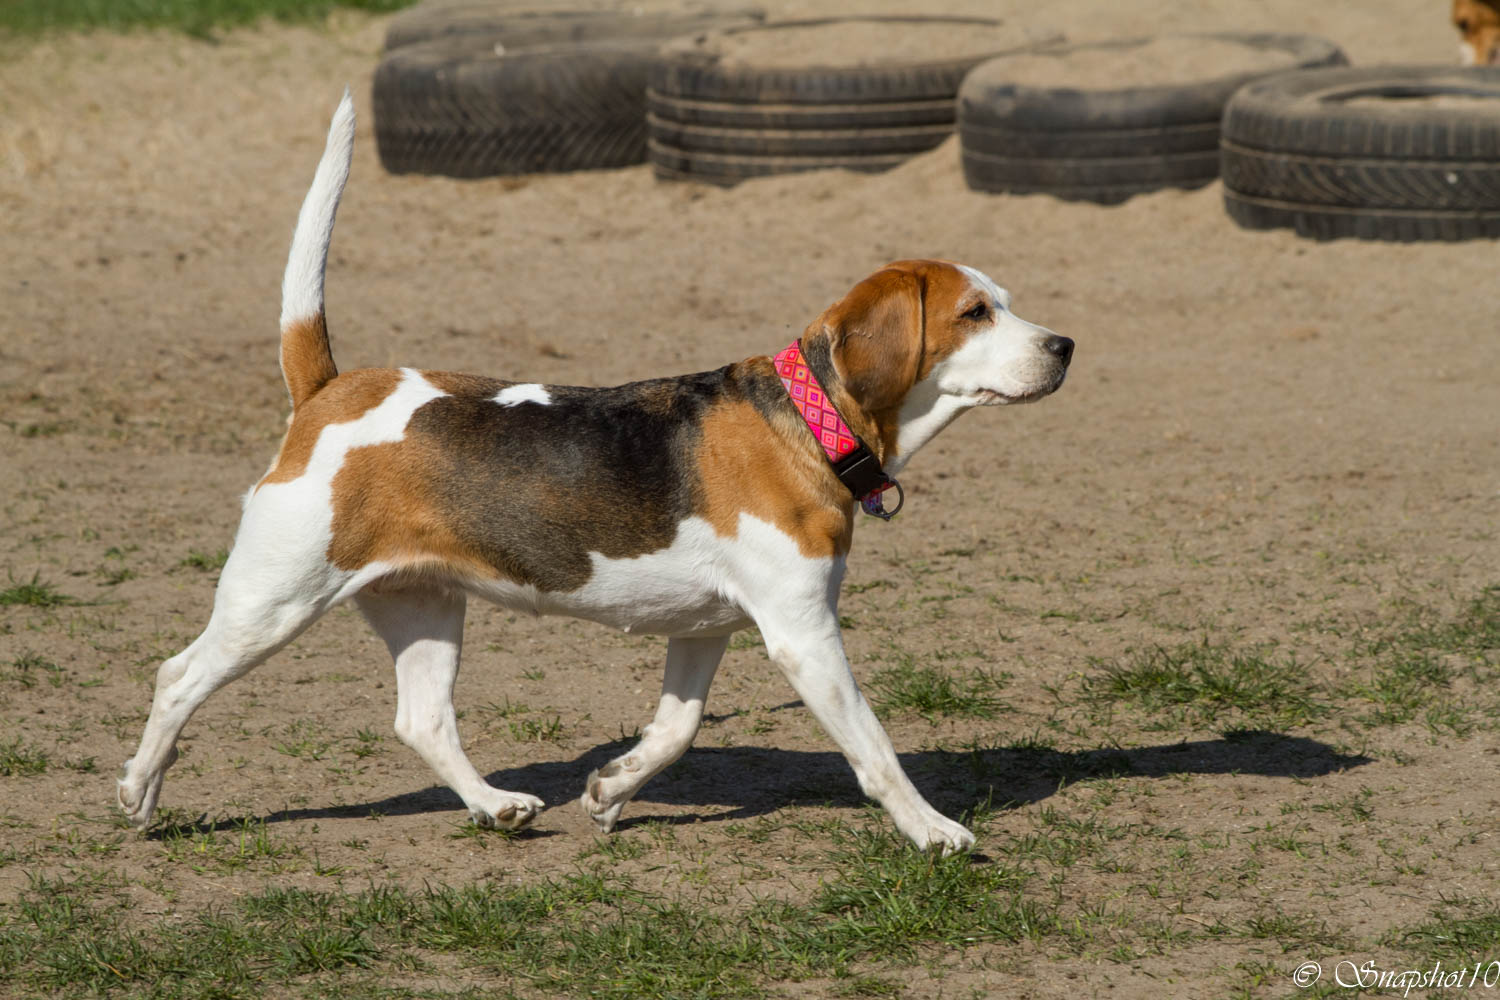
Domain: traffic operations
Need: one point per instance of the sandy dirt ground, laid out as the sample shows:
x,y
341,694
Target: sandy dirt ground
x,y
1263,442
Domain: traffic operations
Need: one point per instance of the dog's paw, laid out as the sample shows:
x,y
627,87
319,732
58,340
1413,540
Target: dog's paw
x,y
137,795
604,817
507,811
936,832
132,802
137,802
945,836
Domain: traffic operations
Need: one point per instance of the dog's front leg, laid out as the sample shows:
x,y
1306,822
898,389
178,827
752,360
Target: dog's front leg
x,y
801,633
691,664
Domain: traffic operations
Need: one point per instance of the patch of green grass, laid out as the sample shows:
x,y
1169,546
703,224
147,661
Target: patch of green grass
x,y
114,572
231,845
748,638
1474,631
26,668
195,17
1353,808
33,593
1401,686
481,835
1459,932
1415,665
536,731
1062,840
19,759
206,562
931,692
1291,930
503,709
888,899
522,729
587,933
71,936
49,429
867,986
1450,716
367,743
305,739
1404,675
615,848
113,576
1209,680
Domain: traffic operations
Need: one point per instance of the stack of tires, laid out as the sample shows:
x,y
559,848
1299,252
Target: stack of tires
x,y
1300,139
792,107
477,90
482,89
1389,153
1105,121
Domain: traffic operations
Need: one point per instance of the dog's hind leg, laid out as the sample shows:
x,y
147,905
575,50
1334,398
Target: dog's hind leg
x,y
423,627
691,664
251,620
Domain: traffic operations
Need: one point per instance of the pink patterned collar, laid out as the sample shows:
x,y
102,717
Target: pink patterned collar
x,y
853,462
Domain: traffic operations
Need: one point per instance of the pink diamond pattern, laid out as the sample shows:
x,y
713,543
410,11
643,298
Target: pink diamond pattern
x,y
822,419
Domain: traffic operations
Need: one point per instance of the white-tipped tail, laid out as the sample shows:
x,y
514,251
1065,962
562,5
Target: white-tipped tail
x,y
302,287
306,361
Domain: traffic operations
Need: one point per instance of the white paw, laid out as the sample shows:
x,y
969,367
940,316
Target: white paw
x,y
604,817
133,803
507,811
946,836
137,796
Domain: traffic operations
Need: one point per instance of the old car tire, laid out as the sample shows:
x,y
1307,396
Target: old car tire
x,y
1105,145
1367,153
460,107
725,123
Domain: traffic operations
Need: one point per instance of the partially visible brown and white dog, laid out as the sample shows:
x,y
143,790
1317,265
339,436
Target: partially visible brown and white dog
x,y
690,507
1478,24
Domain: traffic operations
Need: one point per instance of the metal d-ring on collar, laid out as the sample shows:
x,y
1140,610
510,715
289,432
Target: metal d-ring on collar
x,y
874,504
852,460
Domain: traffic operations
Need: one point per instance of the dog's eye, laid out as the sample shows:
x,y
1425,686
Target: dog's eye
x,y
980,311
1462,26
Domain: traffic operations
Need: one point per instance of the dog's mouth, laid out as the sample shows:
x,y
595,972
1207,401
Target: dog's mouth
x,y
994,397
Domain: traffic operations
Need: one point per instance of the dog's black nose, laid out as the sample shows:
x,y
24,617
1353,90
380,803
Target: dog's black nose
x,y
1060,346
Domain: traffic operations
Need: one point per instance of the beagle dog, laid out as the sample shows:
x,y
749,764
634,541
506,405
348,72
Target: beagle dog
x,y
1478,24
689,507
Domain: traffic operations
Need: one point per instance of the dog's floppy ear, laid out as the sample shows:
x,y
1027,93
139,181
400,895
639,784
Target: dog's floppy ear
x,y
875,335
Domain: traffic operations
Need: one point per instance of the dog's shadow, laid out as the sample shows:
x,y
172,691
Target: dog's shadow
x,y
755,781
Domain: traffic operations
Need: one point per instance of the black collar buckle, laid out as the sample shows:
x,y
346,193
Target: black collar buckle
x,y
860,471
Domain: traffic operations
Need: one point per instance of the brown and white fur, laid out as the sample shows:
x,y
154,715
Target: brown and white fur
x,y
689,507
1478,24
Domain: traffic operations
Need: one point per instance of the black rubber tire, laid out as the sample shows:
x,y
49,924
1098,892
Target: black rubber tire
x,y
724,124
771,115
752,142
1105,145
725,169
454,106
1297,154
522,25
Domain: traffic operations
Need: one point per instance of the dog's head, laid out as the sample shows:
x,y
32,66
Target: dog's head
x,y
920,341
1478,24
